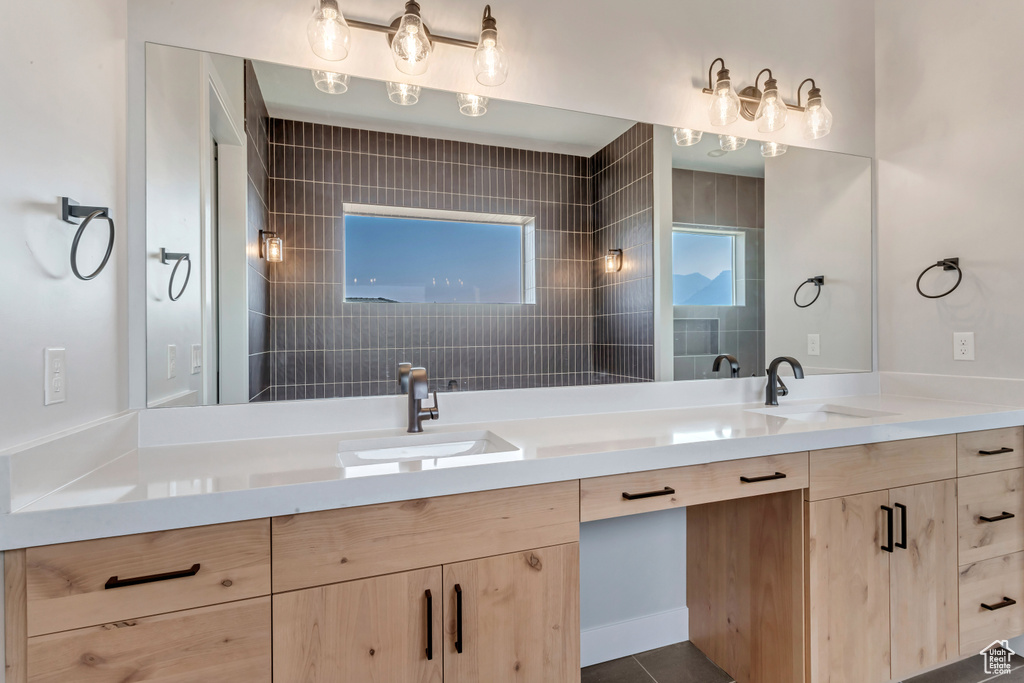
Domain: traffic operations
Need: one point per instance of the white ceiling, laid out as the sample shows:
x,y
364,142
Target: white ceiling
x,y
289,93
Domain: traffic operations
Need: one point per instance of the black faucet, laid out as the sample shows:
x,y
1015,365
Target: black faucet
x,y
776,387
734,364
414,382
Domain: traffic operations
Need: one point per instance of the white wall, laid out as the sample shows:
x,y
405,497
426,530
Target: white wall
x,y
817,216
62,132
950,163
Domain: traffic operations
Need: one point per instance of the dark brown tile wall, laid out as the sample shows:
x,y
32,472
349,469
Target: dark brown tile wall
x,y
324,346
623,218
258,217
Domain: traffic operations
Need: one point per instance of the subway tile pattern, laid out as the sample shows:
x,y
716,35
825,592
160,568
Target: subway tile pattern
x,y
324,346
717,200
623,218
258,216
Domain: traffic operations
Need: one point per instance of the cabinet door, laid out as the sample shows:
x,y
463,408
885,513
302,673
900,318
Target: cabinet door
x,y
848,590
520,618
923,584
370,631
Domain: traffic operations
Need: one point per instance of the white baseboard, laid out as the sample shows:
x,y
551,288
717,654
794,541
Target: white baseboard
x,y
625,638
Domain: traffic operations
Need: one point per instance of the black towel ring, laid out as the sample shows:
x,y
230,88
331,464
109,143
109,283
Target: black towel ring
x,y
166,258
947,264
68,210
818,281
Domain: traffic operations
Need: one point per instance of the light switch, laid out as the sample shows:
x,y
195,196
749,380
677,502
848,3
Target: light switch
x,y
197,358
55,386
172,361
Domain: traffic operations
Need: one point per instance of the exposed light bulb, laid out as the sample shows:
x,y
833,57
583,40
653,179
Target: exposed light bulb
x,y
773,149
817,118
686,137
328,33
330,82
772,112
731,143
403,93
490,63
725,103
613,261
411,45
472,105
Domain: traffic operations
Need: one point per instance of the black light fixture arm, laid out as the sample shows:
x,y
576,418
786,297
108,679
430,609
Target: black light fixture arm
x,y
814,86
758,79
711,83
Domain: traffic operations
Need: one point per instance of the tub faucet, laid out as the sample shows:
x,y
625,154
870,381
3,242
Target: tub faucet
x,y
419,392
734,365
776,387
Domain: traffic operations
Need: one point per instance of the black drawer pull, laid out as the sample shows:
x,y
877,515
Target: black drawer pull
x,y
769,477
458,618
1007,602
888,512
998,518
903,525
430,625
999,452
667,491
114,582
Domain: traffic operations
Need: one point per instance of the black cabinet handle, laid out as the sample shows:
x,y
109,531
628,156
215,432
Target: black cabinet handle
x,y
903,525
1007,602
997,518
430,625
458,618
667,491
114,582
888,511
769,477
998,452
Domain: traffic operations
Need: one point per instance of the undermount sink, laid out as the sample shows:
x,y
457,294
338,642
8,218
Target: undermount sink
x,y
415,452
820,412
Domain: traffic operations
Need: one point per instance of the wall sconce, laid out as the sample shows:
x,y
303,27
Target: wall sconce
x,y
328,33
686,137
330,82
403,93
472,105
271,247
411,46
767,108
613,261
490,63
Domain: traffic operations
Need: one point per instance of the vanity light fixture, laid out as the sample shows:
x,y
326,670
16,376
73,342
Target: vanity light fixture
x,y
725,106
271,247
411,45
731,143
330,82
403,93
613,261
773,149
490,63
771,112
686,137
328,33
817,117
472,105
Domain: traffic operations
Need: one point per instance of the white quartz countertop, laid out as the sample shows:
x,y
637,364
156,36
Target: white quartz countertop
x,y
165,487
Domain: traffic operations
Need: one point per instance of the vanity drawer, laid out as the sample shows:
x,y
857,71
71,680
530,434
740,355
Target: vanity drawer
x,y
319,548
992,496
628,494
873,467
225,643
112,579
990,582
989,451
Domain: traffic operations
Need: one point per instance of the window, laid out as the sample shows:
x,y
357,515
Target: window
x,y
437,257
706,265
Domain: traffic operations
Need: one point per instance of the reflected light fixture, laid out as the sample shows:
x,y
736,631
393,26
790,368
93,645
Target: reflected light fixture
x,y
403,93
328,33
271,247
490,63
772,112
817,118
330,82
613,261
685,137
731,143
472,105
725,105
411,45
773,149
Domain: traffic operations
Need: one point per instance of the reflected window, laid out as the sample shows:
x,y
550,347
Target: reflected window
x,y
435,259
706,266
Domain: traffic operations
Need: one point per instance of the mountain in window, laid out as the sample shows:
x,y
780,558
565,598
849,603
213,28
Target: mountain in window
x,y
717,292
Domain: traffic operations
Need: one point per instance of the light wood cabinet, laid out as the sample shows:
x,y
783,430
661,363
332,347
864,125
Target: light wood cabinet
x,y
991,515
989,451
991,601
881,466
513,618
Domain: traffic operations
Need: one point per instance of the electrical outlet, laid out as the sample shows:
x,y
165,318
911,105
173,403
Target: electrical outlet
x,y
55,385
963,346
197,358
814,345
172,361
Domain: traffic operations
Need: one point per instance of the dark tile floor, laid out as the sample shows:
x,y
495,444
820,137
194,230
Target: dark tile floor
x,y
684,663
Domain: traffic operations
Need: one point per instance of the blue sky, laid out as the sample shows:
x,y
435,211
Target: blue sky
x,y
432,261
700,253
